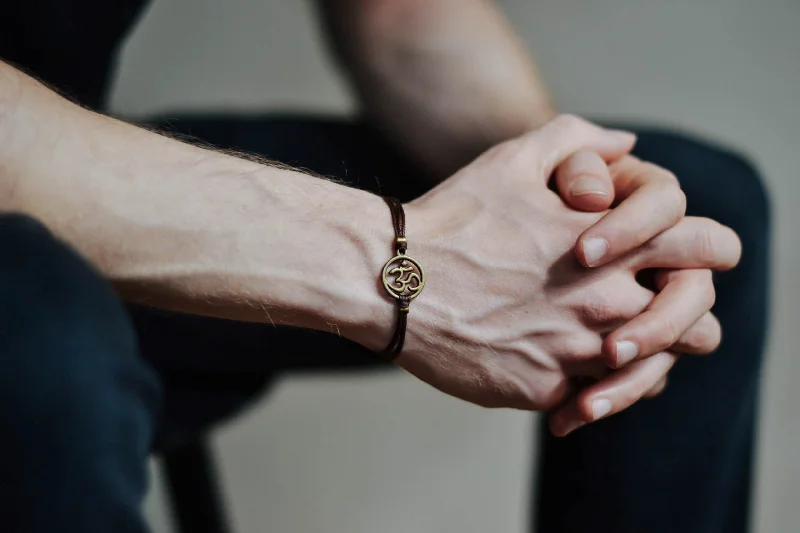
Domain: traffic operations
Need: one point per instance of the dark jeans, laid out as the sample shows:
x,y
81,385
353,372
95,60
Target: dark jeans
x,y
80,403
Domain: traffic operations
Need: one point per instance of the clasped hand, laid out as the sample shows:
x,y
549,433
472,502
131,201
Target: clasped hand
x,y
528,296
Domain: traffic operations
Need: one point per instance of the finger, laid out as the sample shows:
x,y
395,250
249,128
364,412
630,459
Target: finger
x,y
554,142
657,389
565,419
686,296
651,202
584,182
702,338
692,243
613,394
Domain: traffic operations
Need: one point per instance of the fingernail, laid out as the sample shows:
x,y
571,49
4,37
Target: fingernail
x,y
594,248
626,352
600,408
587,185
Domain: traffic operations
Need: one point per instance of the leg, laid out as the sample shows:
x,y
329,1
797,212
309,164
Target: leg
x,y
682,462
77,405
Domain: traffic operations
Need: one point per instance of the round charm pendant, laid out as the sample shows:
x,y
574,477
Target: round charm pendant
x,y
403,277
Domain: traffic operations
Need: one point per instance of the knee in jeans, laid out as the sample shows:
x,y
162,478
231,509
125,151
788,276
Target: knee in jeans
x,y
43,276
719,183
63,334
746,202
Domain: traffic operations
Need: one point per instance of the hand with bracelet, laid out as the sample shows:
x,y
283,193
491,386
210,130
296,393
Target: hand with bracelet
x,y
510,318
444,97
507,317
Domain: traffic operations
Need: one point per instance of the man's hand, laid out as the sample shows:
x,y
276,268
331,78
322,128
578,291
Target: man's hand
x,y
509,316
649,202
649,198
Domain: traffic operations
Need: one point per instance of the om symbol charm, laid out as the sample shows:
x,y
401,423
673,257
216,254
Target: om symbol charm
x,y
403,277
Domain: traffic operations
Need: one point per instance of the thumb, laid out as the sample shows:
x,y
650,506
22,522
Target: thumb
x,y
584,182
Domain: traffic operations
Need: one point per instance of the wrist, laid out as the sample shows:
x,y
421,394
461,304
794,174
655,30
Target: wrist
x,y
222,236
351,300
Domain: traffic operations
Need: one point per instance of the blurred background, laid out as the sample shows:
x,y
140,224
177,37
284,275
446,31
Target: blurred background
x,y
383,453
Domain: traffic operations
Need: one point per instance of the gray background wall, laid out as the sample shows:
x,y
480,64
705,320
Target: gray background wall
x,y
362,454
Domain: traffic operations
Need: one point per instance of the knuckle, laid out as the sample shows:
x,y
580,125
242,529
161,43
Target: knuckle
x,y
669,187
670,332
579,348
627,165
671,196
601,310
669,177
635,304
703,339
677,200
696,339
704,247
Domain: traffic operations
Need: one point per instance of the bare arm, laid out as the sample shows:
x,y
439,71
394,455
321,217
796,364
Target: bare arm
x,y
446,79
181,227
185,228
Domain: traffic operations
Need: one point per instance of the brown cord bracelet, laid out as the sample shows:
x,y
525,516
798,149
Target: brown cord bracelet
x,y
402,277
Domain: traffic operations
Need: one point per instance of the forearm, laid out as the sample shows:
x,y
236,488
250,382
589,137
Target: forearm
x,y
181,227
446,79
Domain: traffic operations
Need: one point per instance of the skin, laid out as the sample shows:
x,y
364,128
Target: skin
x,y
441,94
190,229
528,319
445,97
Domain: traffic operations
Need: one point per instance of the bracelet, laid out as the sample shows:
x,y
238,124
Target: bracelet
x,y
402,277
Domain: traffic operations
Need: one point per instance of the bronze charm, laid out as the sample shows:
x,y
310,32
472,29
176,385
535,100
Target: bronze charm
x,y
403,277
